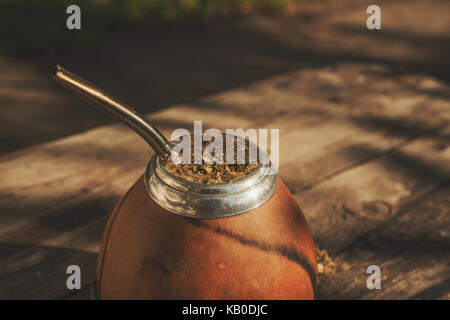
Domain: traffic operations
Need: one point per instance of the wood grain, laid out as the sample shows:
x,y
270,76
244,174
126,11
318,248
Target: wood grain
x,y
363,148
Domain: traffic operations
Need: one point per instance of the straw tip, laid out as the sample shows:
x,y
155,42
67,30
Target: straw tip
x,y
56,69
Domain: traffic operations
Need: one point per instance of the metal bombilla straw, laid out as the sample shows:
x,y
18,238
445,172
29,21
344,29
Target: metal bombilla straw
x,y
185,198
113,107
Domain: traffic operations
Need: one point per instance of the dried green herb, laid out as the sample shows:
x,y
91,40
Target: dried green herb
x,y
211,173
326,267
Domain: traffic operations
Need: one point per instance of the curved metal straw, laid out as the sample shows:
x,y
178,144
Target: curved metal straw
x,y
113,107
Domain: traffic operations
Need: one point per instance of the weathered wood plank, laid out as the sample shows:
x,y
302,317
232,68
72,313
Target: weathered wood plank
x,y
387,214
359,144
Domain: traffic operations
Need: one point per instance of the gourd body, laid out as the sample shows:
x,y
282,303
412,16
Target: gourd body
x,y
150,253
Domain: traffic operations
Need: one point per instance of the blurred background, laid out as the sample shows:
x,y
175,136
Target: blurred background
x,y
157,53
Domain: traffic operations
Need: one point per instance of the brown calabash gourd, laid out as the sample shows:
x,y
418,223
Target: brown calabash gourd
x,y
150,253
242,240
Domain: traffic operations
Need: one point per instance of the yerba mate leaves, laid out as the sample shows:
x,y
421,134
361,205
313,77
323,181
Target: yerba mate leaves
x,y
210,173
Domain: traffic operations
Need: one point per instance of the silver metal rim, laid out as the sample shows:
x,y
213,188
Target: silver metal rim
x,y
208,201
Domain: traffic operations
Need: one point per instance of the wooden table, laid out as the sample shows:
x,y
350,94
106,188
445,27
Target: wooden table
x,y
364,149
